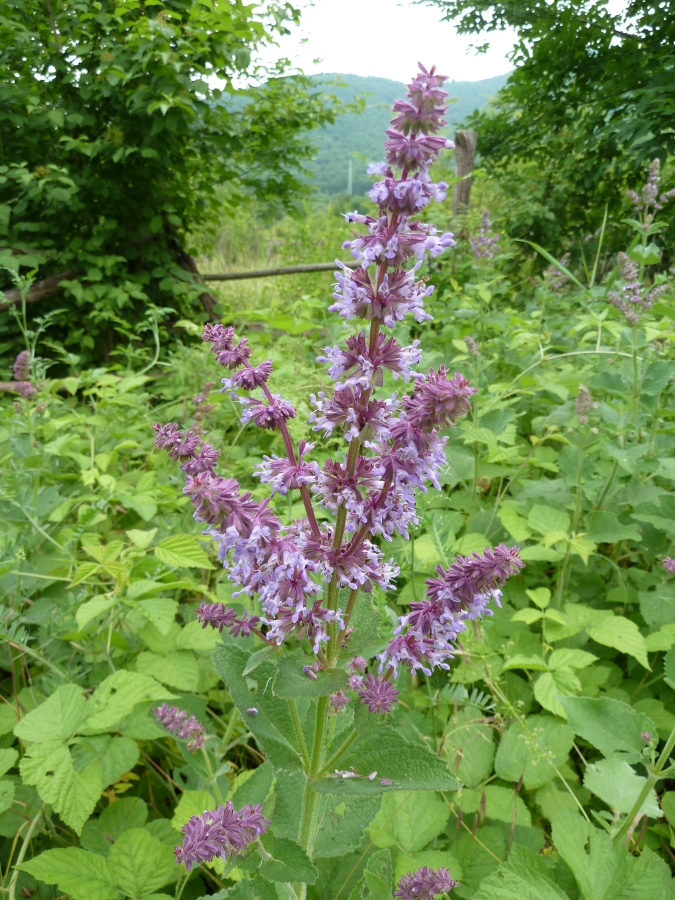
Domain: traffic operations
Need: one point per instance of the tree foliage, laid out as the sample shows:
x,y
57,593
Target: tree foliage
x,y
591,99
122,131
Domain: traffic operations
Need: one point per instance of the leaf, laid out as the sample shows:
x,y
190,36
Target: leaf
x,y
140,863
179,669
342,823
159,610
570,658
529,616
6,794
546,519
82,875
116,755
532,749
524,877
551,685
378,876
257,889
582,547
605,528
519,661
514,523
618,785
8,758
116,696
273,722
291,682
128,812
256,787
657,376
541,597
380,749
408,820
609,725
93,608
668,668
289,864
50,769
622,634
500,803
434,859
660,640
470,746
182,550
191,803
56,719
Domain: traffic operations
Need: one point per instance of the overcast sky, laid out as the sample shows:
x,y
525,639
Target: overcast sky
x,y
386,38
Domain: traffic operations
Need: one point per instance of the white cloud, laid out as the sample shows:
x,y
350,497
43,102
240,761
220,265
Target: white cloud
x,y
387,38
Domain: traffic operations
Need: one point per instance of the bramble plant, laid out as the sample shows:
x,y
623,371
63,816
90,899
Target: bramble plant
x,y
308,575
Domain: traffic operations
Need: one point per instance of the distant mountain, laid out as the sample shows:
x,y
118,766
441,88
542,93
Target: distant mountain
x,y
359,137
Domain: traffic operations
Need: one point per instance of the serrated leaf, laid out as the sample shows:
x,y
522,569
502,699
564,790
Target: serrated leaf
x,y
551,685
618,785
178,669
570,658
161,611
116,697
541,597
82,875
604,528
291,682
524,877
182,550
8,757
57,719
140,863
520,661
609,725
191,803
582,547
409,820
116,755
470,746
514,523
668,666
622,634
272,725
290,863
342,823
499,803
93,608
141,539
127,812
409,767
529,616
50,769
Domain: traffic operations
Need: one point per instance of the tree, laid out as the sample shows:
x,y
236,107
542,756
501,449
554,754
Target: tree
x,y
122,132
591,100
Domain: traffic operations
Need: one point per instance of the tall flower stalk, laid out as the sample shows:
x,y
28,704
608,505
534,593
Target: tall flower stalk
x,y
394,449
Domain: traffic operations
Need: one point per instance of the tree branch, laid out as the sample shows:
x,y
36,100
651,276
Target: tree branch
x,y
40,290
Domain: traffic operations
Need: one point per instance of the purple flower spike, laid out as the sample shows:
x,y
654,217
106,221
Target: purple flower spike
x,y
669,565
184,726
21,368
217,615
438,401
220,833
377,694
425,884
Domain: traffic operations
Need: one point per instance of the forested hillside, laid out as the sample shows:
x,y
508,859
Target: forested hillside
x,y
358,136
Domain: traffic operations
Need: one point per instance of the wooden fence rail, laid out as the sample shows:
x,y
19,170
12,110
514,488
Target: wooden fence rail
x,y
267,273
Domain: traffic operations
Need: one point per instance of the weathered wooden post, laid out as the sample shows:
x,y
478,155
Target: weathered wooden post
x,y
465,158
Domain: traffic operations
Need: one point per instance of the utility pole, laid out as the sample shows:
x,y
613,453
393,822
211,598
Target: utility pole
x,y
349,178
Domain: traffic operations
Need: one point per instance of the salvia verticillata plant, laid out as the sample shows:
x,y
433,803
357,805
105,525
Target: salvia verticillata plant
x,y
181,724
486,244
309,576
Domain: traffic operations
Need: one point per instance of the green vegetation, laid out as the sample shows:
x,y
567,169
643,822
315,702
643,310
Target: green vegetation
x,y
358,135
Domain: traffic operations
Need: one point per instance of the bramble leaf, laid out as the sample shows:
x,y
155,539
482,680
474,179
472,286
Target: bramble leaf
x,y
611,726
524,877
140,863
182,550
82,875
57,719
409,820
289,863
618,785
73,794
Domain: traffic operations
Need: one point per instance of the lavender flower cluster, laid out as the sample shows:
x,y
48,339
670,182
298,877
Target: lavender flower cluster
x,y
425,884
182,724
395,446
21,375
634,297
486,244
220,833
651,199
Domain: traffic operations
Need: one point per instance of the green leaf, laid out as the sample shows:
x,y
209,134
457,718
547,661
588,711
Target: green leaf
x,y
470,746
289,864
434,859
378,876
528,615
7,792
342,823
409,820
182,550
159,610
57,719
622,634
541,597
514,523
291,682
657,376
605,528
532,749
8,757
609,725
115,698
272,723
117,755
551,685
127,812
660,640
618,785
191,803
257,889
545,519
519,661
524,877
256,787
570,658
93,608
50,769
668,668
409,767
499,803
82,875
140,863
605,870
178,669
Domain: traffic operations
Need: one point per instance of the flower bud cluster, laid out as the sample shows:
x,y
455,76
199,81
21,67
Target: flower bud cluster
x,y
182,724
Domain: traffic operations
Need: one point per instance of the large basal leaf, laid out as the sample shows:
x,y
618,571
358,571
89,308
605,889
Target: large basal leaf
x,y
81,875
50,769
57,719
380,749
613,727
618,785
291,682
271,725
289,864
117,755
140,863
409,820
524,877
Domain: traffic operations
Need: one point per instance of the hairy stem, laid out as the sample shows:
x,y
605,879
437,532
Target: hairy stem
x,y
299,733
652,778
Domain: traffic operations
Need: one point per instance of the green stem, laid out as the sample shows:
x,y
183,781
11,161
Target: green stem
x,y
310,799
608,484
652,778
11,893
299,733
636,379
344,746
212,775
351,602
